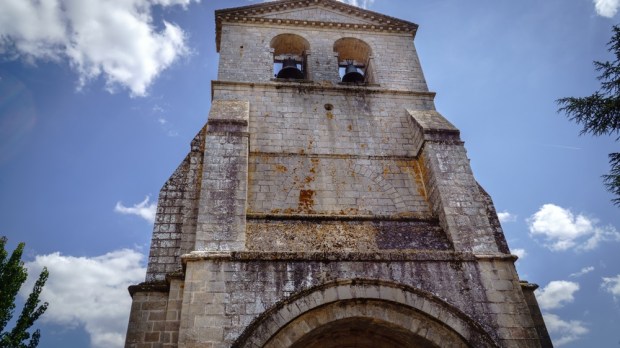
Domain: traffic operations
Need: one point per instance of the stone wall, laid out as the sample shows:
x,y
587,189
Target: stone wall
x,y
223,190
155,315
335,186
229,293
174,230
317,234
245,55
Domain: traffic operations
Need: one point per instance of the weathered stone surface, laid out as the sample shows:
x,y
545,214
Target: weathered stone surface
x,y
362,236
394,61
318,14
316,213
174,230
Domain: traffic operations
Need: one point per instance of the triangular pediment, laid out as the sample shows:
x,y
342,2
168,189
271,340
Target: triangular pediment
x,y
318,13
324,13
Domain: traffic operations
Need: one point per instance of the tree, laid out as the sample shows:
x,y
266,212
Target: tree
x,y
599,114
12,275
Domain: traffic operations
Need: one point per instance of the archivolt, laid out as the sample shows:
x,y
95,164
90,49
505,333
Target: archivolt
x,y
364,310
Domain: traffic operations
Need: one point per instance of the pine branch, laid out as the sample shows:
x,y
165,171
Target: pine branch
x,y
599,113
612,180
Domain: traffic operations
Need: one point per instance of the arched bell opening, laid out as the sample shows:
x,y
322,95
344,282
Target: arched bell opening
x,y
290,56
354,60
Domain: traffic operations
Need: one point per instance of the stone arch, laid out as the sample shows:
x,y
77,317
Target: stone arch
x,y
290,47
385,185
390,314
354,51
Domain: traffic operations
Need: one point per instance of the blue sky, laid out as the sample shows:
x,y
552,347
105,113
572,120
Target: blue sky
x,y
92,123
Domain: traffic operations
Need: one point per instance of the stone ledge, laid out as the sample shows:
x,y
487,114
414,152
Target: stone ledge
x,y
332,156
282,80
238,110
433,127
149,287
319,217
491,257
316,86
227,134
233,122
418,255
527,285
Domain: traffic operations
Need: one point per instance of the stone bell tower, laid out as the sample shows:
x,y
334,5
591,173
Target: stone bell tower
x,y
326,203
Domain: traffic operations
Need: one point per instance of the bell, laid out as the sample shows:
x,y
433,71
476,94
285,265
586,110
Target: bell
x,y
289,70
352,75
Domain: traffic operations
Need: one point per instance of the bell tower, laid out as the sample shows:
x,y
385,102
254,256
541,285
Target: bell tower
x,y
326,203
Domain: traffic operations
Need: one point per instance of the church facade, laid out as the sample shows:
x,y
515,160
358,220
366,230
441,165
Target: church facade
x,y
326,203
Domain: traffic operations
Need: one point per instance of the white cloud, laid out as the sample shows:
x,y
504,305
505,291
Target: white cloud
x,y
583,271
612,286
562,230
562,331
143,209
115,39
606,8
556,294
358,3
505,216
89,292
521,253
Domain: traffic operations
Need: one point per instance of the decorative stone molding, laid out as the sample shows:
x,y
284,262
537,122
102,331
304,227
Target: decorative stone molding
x,y
448,325
249,14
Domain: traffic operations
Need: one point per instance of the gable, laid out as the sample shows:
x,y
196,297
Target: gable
x,y
316,14
309,13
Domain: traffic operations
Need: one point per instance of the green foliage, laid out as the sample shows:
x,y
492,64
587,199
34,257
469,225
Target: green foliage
x,y
12,275
599,114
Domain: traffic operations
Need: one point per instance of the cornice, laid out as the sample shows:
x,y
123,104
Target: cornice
x,y
310,86
249,15
380,256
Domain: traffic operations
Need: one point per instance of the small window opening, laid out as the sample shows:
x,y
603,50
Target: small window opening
x,y
351,71
288,67
353,60
290,56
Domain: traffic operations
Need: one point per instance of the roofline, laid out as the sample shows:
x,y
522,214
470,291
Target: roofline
x,y
246,14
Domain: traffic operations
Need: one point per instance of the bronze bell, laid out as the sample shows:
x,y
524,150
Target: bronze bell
x,y
352,75
289,70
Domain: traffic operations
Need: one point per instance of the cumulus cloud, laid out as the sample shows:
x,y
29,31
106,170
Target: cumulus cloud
x,y
89,292
583,271
505,216
115,39
521,253
358,3
143,209
562,331
612,286
562,230
606,8
556,294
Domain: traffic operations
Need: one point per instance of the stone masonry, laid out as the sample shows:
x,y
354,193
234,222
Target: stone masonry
x,y
318,213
